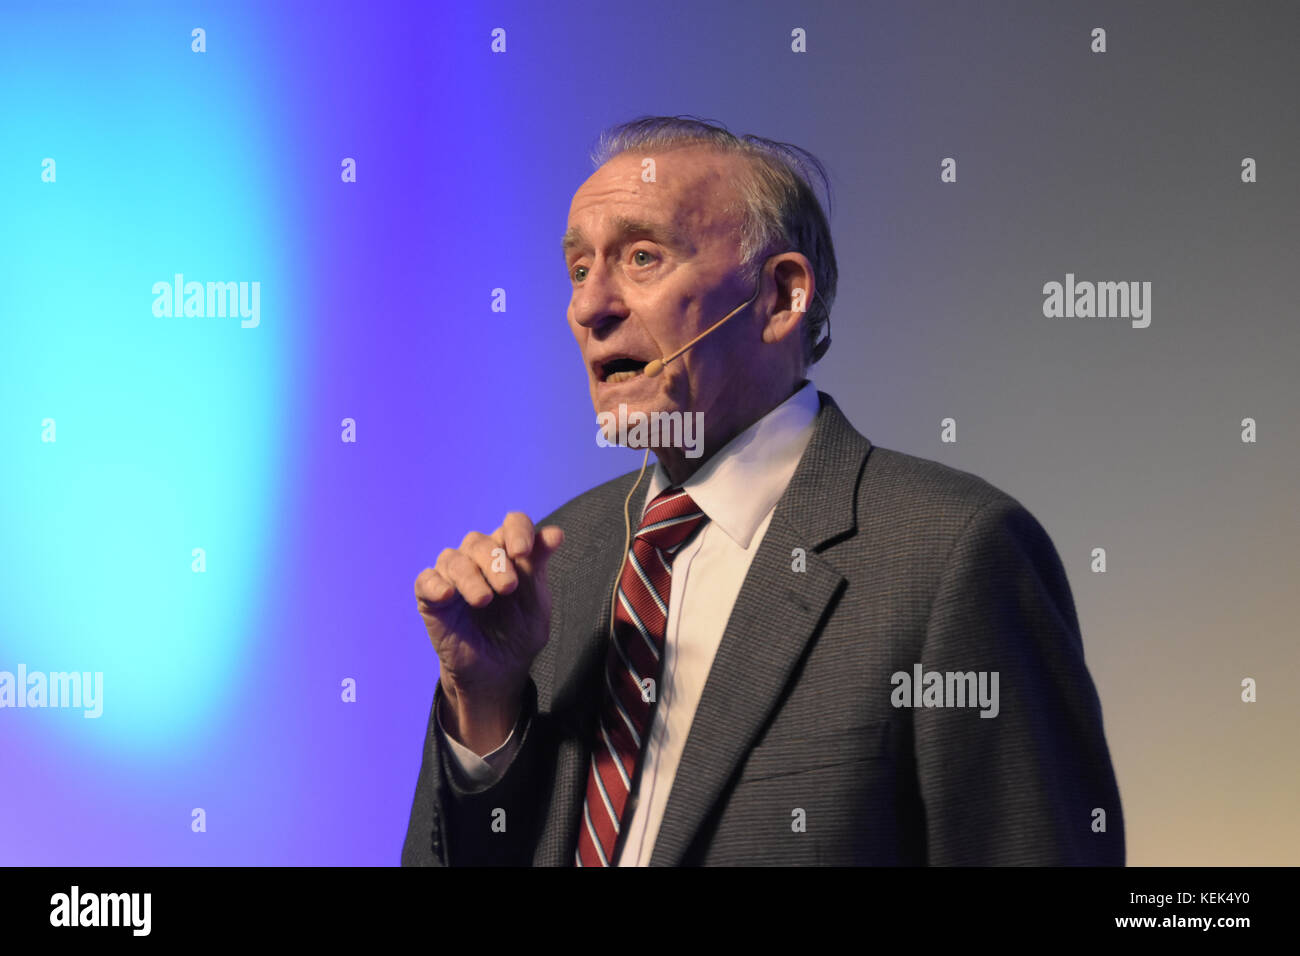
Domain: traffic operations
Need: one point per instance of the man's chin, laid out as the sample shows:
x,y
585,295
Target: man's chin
x,y
655,421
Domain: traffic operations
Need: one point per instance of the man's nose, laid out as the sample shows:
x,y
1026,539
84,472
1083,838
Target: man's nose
x,y
598,300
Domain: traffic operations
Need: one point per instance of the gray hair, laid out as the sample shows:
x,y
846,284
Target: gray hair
x,y
782,212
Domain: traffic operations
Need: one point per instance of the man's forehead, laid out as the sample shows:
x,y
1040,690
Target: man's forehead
x,y
683,172
690,187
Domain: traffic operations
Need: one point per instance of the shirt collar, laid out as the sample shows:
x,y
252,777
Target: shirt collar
x,y
740,484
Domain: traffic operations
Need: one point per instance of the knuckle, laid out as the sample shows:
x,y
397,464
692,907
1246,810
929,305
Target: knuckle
x,y
473,539
456,565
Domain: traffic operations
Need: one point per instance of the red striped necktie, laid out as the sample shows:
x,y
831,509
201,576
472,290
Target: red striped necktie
x,y
633,668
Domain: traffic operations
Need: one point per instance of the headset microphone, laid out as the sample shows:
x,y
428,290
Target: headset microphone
x,y
656,366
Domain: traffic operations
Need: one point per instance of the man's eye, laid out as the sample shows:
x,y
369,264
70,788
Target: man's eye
x,y
580,273
642,252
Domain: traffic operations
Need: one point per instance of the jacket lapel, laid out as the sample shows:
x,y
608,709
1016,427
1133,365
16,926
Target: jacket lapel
x,y
775,615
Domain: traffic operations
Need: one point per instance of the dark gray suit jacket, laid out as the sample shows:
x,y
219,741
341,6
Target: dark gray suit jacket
x,y
907,561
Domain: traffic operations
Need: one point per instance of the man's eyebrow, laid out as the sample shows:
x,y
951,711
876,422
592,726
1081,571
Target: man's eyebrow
x,y
625,228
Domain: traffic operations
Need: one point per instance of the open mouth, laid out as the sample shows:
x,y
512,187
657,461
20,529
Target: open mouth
x,y
620,370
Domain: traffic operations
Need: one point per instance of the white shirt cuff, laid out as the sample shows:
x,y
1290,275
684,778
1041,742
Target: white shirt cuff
x,y
475,770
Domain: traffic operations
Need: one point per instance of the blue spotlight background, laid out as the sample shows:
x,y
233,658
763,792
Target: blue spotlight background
x,y
223,689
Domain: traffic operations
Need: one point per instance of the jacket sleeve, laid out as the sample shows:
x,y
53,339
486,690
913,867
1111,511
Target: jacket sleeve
x,y
1026,778
495,825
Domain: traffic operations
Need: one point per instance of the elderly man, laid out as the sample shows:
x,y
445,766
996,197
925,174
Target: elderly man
x,y
814,651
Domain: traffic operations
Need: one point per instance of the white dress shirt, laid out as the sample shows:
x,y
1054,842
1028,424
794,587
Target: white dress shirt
x,y
737,489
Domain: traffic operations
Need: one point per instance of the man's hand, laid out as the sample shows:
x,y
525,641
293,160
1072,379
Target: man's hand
x,y
487,609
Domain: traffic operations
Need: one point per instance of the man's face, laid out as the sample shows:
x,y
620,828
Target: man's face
x,y
651,265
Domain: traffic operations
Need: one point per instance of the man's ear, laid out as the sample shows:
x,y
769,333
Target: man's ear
x,y
795,286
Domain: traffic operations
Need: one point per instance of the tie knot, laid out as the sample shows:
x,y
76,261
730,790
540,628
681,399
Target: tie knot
x,y
669,520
